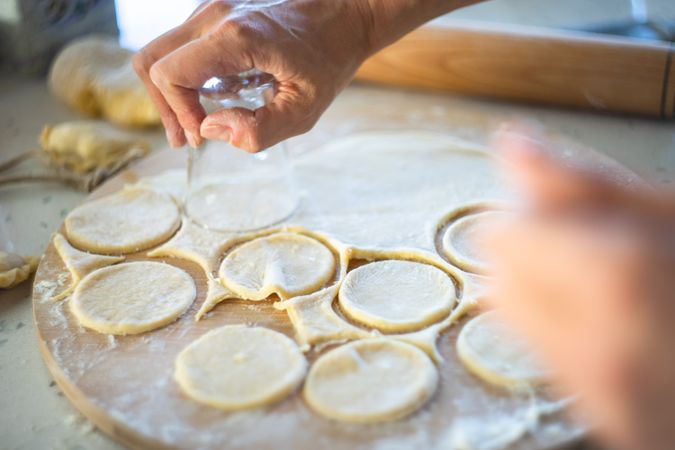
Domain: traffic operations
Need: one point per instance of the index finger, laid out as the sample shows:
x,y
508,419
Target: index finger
x,y
179,75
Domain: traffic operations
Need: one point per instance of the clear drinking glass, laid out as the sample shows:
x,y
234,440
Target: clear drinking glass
x,y
228,188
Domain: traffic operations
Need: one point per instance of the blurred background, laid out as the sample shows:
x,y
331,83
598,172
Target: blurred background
x,y
32,30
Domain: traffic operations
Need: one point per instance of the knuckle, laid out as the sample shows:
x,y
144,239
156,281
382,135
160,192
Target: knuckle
x,y
217,8
140,63
157,74
237,29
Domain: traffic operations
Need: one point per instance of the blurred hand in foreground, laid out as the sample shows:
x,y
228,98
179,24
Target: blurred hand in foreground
x,y
587,270
312,48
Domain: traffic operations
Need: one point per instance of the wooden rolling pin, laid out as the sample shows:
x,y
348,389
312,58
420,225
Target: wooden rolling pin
x,y
556,67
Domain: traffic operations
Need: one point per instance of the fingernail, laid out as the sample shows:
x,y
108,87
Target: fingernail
x,y
192,140
171,139
216,132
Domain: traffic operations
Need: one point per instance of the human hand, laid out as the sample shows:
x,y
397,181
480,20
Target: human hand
x,y
311,48
587,270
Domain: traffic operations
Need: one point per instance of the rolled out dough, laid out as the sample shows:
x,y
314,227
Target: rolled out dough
x,y
461,241
79,263
372,380
494,353
236,367
396,295
287,264
130,220
241,206
133,297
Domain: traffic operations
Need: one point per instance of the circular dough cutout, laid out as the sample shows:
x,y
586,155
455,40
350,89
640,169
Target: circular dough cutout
x,y
131,220
494,353
284,263
394,296
236,367
372,380
461,240
133,297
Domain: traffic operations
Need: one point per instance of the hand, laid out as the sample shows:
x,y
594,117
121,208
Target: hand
x,y
587,271
312,48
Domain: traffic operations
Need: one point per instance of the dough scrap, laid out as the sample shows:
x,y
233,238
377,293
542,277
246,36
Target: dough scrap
x,y
79,263
236,367
15,269
133,297
475,289
287,264
94,76
426,338
85,145
196,244
461,245
315,321
395,295
372,380
215,293
495,354
130,220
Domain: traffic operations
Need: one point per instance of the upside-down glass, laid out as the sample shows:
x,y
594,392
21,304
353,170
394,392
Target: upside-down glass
x,y
228,188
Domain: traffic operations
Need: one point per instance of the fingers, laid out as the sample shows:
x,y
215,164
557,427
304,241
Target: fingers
x,y
552,185
180,74
203,19
289,114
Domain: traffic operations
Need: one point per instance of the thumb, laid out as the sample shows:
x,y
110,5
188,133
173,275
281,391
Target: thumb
x,y
288,114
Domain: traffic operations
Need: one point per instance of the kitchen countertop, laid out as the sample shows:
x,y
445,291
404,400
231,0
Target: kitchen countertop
x,y
36,415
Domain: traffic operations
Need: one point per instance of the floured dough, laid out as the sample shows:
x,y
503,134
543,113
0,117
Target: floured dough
x,y
79,263
240,206
475,292
15,269
396,295
497,355
284,263
215,293
461,241
197,244
372,380
133,297
236,367
426,338
85,145
94,75
316,322
130,220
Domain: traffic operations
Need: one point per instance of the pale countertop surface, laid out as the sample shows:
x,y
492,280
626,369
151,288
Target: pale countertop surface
x,y
35,415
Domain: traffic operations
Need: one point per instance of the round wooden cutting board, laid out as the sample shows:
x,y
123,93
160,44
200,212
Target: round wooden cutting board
x,y
125,385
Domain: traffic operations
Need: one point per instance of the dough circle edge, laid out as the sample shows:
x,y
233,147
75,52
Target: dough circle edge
x,y
475,363
358,313
85,319
322,276
294,378
428,382
79,236
453,254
